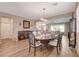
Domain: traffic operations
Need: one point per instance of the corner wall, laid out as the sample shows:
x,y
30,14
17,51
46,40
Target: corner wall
x,y
77,34
16,24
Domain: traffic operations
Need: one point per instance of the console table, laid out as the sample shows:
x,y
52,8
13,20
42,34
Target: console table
x,y
22,35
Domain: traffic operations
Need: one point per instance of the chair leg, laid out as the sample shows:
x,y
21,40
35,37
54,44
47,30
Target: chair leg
x,y
35,51
29,48
60,47
74,46
41,47
57,50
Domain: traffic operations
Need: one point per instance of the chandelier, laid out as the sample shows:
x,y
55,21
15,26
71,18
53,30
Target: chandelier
x,y
43,19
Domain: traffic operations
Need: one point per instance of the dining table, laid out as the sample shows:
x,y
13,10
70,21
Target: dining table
x,y
45,38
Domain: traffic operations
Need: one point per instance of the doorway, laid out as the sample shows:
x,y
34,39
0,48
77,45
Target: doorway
x,y
6,27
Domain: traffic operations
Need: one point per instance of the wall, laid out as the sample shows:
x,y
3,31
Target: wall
x,y
66,24
0,29
66,28
62,20
16,24
17,27
77,37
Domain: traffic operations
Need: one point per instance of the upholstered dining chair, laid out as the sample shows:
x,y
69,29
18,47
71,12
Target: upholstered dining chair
x,y
56,43
33,43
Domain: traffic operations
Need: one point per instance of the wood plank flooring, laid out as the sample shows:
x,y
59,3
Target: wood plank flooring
x,y
9,48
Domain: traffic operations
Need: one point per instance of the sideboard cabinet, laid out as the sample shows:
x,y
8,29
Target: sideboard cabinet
x,y
22,35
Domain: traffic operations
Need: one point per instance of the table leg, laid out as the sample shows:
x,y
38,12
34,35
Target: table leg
x,y
45,44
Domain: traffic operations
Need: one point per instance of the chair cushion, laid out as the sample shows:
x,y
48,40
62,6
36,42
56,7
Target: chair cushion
x,y
37,44
72,39
55,40
53,43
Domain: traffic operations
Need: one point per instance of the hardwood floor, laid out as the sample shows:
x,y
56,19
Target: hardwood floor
x,y
9,48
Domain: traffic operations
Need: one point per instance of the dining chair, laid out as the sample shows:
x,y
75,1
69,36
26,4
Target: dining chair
x,y
56,43
33,43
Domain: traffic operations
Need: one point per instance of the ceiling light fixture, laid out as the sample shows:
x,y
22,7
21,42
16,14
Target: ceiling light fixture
x,y
43,19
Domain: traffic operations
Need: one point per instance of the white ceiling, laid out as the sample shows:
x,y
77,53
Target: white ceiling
x,y
33,10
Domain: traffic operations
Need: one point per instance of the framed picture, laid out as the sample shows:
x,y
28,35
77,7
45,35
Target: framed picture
x,y
26,24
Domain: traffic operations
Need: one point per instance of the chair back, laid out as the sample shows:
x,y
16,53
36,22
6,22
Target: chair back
x,y
31,39
59,39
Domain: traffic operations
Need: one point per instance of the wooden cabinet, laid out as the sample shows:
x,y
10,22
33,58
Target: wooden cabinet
x,y
72,33
22,35
72,39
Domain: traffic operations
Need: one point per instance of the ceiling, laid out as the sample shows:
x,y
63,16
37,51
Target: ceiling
x,y
34,10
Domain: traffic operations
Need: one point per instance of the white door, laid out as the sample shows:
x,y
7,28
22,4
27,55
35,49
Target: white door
x,y
5,28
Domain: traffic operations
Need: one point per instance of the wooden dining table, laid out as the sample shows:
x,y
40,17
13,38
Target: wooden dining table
x,y
45,38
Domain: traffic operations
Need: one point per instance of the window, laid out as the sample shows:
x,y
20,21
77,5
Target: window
x,y
57,27
61,28
40,26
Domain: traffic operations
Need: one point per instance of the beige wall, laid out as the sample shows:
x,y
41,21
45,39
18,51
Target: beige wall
x,y
66,28
77,37
77,41
0,29
16,27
